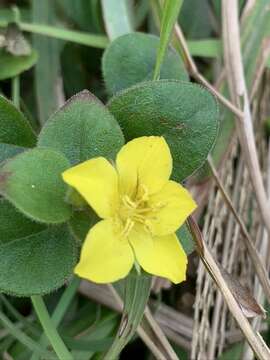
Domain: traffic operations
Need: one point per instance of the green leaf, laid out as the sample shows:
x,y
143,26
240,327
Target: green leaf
x,y
38,263
76,69
81,222
14,225
11,65
186,239
82,129
84,15
184,113
14,128
32,182
194,24
7,151
131,59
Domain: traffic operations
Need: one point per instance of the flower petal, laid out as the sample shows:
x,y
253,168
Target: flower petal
x,y
146,161
104,257
97,181
175,205
162,256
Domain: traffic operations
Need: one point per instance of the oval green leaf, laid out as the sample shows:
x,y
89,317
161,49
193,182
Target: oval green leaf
x,y
32,182
11,65
14,225
35,260
131,59
81,222
82,129
184,113
14,128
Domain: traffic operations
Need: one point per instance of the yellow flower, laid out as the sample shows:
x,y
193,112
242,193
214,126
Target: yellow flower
x,y
140,210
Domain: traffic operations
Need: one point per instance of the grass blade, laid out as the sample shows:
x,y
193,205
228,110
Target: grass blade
x,y
116,15
60,310
24,339
137,290
47,69
49,328
169,16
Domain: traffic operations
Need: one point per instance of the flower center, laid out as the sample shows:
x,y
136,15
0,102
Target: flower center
x,y
136,211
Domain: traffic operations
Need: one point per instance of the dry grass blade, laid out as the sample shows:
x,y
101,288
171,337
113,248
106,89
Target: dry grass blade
x,y
238,90
258,291
265,53
191,66
243,296
255,341
194,72
159,334
254,255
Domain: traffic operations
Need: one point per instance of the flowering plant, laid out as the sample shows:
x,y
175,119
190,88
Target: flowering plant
x,y
140,209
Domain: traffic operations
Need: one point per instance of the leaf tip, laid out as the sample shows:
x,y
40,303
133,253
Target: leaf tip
x,y
84,95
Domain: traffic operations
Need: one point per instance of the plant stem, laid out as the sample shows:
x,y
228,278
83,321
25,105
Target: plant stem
x,y
15,88
60,310
79,37
49,329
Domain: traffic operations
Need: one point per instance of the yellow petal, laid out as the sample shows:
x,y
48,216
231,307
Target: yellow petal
x,y
104,257
162,256
97,181
173,205
146,161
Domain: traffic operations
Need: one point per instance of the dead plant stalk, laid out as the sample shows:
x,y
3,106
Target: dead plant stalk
x,y
254,255
254,339
239,95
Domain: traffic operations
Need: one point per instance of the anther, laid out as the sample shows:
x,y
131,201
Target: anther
x,y
128,202
127,228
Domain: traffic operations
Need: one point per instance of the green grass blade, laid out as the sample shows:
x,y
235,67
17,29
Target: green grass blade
x,y
50,329
40,28
47,69
24,339
211,48
137,290
116,14
169,16
78,37
60,310
15,89
17,316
